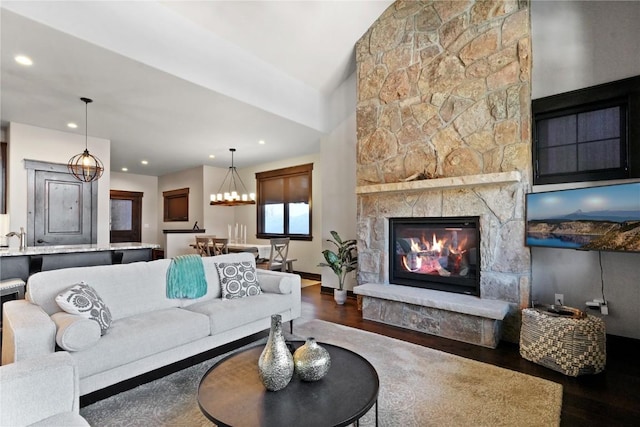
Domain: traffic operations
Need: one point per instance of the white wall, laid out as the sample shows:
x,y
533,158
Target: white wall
x,y
576,45
35,143
191,179
338,151
149,186
217,218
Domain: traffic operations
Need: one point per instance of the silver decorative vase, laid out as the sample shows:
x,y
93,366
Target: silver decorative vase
x,y
311,361
275,365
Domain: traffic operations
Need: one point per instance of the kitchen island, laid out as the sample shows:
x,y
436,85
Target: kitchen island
x,y
15,263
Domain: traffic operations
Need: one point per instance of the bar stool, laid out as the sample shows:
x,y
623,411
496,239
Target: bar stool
x,y
12,286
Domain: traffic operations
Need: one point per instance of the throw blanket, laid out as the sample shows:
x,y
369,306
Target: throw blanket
x,y
185,277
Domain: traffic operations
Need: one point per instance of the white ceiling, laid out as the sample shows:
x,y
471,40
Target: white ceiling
x,y
173,82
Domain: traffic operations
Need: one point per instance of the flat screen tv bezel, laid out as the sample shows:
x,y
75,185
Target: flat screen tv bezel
x,y
528,196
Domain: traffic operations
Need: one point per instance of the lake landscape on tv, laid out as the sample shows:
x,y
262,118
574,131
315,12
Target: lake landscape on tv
x,y
598,218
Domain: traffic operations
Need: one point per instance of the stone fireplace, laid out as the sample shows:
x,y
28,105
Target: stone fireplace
x,y
443,122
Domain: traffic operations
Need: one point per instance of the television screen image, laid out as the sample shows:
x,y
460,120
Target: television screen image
x,y
605,218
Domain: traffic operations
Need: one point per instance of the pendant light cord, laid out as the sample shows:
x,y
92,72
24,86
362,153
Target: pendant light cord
x,y
86,121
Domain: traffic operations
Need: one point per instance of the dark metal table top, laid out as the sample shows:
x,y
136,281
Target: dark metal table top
x,y
231,393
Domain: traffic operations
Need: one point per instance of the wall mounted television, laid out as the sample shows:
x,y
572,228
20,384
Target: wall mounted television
x,y
605,218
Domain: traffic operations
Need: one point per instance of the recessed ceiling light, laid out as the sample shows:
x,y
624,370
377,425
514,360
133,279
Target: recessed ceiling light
x,y
124,169
144,162
23,60
261,142
211,156
72,125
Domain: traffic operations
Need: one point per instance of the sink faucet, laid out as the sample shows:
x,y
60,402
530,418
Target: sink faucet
x,y
22,235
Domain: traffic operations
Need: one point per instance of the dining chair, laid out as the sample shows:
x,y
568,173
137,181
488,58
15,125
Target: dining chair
x,y
278,259
204,245
219,246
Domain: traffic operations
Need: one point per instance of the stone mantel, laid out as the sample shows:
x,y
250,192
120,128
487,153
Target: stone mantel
x,y
442,183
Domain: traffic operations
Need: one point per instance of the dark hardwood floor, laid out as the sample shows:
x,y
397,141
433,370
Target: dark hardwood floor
x,y
611,398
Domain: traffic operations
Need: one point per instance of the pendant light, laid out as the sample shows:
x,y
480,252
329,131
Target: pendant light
x,y
228,194
85,167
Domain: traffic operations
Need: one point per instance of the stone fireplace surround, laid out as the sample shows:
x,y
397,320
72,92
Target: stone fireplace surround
x,y
444,91
504,282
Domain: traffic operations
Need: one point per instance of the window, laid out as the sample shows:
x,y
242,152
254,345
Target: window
x,y
284,203
588,135
176,205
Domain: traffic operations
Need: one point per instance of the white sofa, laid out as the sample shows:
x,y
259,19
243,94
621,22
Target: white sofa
x,y
148,330
41,392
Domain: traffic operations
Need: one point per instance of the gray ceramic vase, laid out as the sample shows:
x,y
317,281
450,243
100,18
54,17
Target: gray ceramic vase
x,y
311,361
275,365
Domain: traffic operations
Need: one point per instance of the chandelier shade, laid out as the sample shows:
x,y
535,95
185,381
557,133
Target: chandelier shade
x,y
85,166
229,194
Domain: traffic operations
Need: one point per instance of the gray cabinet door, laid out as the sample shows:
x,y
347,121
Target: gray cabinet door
x,y
62,209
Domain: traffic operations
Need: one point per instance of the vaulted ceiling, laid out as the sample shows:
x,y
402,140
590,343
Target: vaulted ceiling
x,y
175,82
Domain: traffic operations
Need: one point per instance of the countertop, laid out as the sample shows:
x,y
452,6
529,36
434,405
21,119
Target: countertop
x,y
67,249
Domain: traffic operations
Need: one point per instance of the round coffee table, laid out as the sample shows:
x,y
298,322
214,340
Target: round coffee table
x,y
231,393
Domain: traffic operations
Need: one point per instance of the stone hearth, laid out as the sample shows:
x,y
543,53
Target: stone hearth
x,y
460,317
444,91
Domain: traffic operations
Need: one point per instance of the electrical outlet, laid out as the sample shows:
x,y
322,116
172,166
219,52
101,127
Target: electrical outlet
x,y
604,309
559,299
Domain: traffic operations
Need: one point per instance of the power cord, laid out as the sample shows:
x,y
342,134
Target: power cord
x,y
601,277
604,308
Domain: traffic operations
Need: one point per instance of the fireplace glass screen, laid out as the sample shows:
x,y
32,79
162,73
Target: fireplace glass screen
x,y
436,253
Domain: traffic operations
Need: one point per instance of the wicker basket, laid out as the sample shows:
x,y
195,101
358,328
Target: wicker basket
x,y
564,344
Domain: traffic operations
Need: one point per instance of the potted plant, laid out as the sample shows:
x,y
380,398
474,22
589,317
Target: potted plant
x,y
342,262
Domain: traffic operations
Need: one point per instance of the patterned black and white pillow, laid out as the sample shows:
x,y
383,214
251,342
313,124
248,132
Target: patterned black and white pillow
x,y
238,279
83,300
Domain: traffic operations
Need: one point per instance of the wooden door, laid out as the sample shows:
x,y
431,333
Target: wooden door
x,y
126,216
61,209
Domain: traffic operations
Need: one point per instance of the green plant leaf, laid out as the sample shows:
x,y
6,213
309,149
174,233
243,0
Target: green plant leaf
x,y
345,260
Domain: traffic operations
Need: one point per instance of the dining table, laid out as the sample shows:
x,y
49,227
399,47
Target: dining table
x,y
263,250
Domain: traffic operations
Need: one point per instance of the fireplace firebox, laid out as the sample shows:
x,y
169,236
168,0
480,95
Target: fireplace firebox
x,y
436,253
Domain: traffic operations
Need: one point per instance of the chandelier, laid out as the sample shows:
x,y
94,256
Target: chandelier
x,y
228,194
85,167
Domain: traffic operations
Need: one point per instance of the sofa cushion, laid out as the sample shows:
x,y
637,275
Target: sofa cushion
x,y
75,333
82,300
228,314
139,336
127,289
238,279
275,283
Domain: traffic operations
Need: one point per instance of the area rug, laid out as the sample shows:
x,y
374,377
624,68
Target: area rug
x,y
418,387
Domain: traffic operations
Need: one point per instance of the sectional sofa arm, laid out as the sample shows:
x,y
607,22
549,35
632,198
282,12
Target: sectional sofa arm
x,y
41,388
27,331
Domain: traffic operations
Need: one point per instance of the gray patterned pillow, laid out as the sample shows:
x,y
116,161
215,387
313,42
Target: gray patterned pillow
x,y
238,279
83,300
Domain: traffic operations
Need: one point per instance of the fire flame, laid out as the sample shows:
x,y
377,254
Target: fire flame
x,y
424,255
437,244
